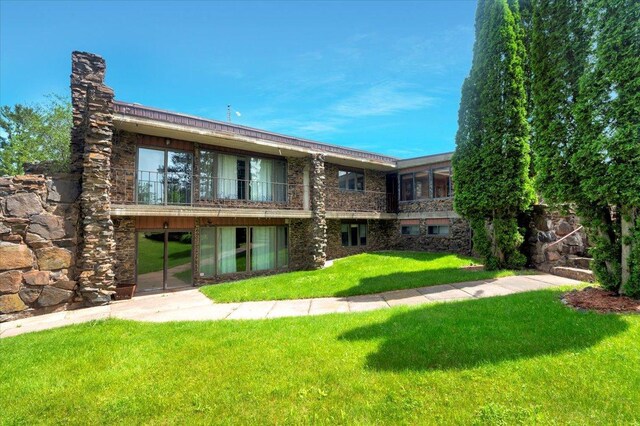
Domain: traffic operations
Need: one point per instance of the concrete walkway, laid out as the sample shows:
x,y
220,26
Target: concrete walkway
x,y
191,305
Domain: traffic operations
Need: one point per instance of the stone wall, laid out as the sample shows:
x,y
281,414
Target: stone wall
x,y
123,165
318,211
374,197
458,240
301,253
295,179
125,257
429,205
379,237
92,103
547,227
38,228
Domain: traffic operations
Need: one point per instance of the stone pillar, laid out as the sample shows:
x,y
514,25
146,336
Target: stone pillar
x,y
318,212
91,139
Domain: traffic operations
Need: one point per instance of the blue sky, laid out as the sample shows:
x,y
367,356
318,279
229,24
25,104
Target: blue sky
x,y
379,76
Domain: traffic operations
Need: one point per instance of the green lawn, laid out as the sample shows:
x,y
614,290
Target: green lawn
x,y
519,359
360,274
151,254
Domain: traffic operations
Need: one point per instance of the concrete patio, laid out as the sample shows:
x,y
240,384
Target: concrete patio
x,y
191,305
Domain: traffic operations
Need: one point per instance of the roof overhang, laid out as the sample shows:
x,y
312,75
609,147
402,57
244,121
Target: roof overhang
x,y
424,161
229,137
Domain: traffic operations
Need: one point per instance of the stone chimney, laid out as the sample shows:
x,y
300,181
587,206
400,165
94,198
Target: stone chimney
x,y
91,139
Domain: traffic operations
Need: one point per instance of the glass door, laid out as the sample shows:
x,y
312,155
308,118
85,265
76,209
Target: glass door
x,y
179,270
164,260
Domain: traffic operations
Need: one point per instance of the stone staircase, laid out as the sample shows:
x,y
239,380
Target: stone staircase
x,y
577,268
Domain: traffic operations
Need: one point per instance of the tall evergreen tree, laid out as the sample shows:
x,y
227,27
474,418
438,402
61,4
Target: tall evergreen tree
x,y
585,60
608,157
491,162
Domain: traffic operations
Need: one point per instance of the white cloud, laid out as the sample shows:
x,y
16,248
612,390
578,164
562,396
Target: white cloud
x,y
383,99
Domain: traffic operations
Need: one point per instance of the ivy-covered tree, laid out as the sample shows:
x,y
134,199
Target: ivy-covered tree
x,y
491,161
32,134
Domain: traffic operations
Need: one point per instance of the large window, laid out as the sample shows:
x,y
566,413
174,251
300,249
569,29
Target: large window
x,y
234,177
349,180
354,234
164,176
434,183
225,250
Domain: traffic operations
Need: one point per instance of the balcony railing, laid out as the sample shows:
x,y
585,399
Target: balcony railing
x,y
172,188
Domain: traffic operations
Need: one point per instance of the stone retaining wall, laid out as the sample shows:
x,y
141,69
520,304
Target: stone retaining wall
x,y
547,227
39,231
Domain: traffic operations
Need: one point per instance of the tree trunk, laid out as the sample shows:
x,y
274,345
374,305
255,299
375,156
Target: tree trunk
x,y
628,219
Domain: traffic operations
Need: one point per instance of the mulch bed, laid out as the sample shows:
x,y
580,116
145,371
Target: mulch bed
x,y
600,300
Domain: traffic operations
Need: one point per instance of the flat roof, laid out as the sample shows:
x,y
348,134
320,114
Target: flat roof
x,y
155,114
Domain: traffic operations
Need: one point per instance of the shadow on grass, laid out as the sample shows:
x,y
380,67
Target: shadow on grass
x,y
471,333
415,279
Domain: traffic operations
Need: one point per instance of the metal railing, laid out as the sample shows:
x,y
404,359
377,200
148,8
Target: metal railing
x,y
145,187
173,188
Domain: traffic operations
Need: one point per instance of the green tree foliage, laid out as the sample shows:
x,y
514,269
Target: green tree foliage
x,y
37,133
585,59
491,161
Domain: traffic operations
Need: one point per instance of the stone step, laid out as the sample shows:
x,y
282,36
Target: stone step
x,y
579,262
574,273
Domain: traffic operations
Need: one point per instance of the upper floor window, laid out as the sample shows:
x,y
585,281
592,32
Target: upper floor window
x,y
350,180
234,177
164,176
433,183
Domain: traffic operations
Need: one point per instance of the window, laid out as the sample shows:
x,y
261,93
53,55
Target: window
x,y
164,176
441,230
441,182
241,249
349,180
406,187
354,234
410,230
434,183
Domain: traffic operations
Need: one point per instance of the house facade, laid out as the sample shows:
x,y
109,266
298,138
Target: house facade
x,y
167,200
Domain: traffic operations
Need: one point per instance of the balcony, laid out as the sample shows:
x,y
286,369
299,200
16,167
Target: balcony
x,y
146,192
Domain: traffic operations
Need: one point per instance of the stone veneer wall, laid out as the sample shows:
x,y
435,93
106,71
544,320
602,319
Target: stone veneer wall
x,y
39,231
318,211
373,199
545,228
91,137
123,166
301,249
379,237
458,240
125,257
429,205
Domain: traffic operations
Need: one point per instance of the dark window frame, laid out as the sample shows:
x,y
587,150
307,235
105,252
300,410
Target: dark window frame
x,y
359,227
438,227
357,175
409,234
412,197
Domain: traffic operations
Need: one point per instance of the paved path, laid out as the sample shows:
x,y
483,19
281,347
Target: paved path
x,y
191,305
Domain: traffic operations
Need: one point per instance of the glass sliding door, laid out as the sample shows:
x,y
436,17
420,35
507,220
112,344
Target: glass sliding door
x,y
164,260
232,250
280,182
150,176
179,272
227,177
179,172
207,165
164,176
207,252
261,179
150,261
263,254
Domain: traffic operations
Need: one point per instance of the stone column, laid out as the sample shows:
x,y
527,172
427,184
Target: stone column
x,y
318,212
91,139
